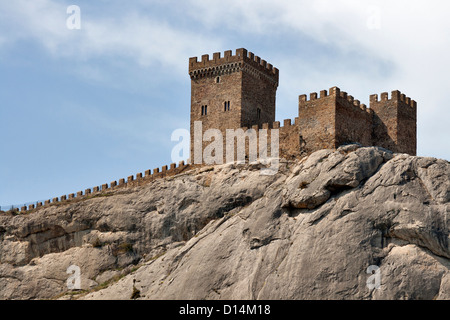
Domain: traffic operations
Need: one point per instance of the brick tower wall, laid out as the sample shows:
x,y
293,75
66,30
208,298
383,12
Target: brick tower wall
x,y
326,121
407,126
332,119
316,122
288,141
394,122
259,86
289,137
353,121
384,132
243,79
206,92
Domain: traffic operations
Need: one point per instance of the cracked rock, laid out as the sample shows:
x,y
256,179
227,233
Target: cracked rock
x,y
311,231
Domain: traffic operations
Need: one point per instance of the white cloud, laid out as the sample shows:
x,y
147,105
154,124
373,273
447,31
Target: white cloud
x,y
130,34
408,52
409,30
413,40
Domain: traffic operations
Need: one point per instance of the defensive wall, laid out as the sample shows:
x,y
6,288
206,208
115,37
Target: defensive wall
x,y
238,92
132,181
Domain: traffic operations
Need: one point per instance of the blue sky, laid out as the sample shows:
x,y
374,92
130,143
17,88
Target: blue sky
x,y
79,108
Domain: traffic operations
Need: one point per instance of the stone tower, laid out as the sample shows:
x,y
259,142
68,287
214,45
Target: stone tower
x,y
231,92
332,119
394,122
335,118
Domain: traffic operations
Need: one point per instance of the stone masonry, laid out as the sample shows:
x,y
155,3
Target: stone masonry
x,y
233,91
238,91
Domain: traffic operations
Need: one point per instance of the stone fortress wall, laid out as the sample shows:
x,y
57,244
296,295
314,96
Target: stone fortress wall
x,y
131,182
328,120
238,92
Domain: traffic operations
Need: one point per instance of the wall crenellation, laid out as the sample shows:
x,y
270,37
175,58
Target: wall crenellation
x,y
131,181
336,117
239,92
325,120
242,60
333,92
287,123
396,95
241,55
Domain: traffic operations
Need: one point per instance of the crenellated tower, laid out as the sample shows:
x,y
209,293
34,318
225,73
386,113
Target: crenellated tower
x,y
238,91
331,119
394,122
335,118
232,91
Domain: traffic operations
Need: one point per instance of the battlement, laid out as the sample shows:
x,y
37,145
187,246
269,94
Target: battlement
x,y
245,96
287,134
333,118
333,93
242,60
396,96
394,122
131,181
287,124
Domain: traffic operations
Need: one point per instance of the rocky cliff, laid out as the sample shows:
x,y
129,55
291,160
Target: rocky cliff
x,y
312,231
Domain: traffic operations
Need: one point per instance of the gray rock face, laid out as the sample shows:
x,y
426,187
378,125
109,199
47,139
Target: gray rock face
x,y
314,230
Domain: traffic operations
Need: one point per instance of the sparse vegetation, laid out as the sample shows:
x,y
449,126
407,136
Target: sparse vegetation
x,y
136,293
97,243
125,247
207,181
304,184
122,248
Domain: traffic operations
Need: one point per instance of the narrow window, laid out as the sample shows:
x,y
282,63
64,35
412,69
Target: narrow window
x,y
217,79
258,113
206,110
225,106
203,110
228,105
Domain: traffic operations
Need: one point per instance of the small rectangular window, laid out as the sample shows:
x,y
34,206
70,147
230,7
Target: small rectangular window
x,y
258,113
